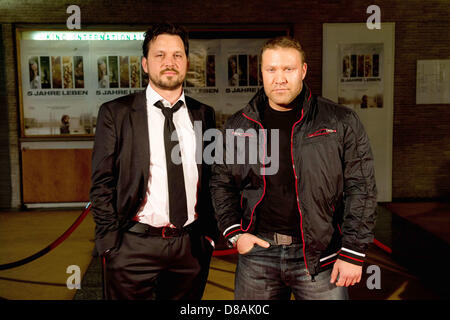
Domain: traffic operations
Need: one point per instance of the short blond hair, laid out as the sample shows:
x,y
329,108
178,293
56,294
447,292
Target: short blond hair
x,y
284,42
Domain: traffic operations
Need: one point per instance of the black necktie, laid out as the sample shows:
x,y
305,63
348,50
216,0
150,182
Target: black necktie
x,y
175,178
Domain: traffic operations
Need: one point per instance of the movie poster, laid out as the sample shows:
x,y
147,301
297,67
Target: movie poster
x,y
360,82
135,72
55,100
224,73
243,78
56,72
78,72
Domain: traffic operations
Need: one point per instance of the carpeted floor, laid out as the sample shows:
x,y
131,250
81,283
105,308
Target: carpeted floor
x,y
24,233
396,282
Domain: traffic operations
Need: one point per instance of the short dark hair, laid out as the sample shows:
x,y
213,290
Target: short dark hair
x,y
284,42
165,28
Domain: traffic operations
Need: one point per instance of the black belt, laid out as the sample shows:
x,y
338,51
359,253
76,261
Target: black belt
x,y
164,232
280,239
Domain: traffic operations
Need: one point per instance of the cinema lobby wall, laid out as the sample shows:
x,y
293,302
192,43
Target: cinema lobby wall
x,y
421,133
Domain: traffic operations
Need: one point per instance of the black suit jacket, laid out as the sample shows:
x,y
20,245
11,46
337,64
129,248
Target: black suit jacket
x,y
120,167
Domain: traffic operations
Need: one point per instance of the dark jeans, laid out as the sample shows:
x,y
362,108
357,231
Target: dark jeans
x,y
156,268
276,272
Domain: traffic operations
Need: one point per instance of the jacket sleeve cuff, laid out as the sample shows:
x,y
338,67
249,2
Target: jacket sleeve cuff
x,y
351,256
231,231
108,242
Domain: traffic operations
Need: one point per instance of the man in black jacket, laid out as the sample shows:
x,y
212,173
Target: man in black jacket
x,y
305,227
150,201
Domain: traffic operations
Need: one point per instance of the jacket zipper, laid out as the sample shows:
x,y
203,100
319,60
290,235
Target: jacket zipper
x,y
296,191
296,180
264,172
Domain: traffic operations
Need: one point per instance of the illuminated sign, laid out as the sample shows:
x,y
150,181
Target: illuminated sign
x,y
77,35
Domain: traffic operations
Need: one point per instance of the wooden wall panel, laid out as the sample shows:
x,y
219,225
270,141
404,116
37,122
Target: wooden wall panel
x,y
56,175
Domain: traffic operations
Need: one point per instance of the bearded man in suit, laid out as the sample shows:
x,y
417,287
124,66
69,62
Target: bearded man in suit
x,y
155,226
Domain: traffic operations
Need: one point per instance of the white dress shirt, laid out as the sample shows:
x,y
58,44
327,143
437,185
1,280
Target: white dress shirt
x,y
154,209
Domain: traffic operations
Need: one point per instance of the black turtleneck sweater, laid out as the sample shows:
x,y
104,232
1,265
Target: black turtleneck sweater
x,y
278,212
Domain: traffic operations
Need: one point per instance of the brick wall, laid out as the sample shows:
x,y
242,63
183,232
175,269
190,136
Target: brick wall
x,y
9,134
5,175
421,142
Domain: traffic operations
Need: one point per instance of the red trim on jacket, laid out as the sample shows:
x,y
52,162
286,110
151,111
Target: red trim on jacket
x,y
264,171
321,132
325,264
350,257
340,231
233,231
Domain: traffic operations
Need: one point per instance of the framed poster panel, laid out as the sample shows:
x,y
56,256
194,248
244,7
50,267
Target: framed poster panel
x,y
358,72
65,76
433,81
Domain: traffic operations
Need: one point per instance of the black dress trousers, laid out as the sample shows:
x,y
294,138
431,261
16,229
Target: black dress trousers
x,y
149,267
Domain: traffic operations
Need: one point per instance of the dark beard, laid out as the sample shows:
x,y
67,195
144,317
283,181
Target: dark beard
x,y
166,85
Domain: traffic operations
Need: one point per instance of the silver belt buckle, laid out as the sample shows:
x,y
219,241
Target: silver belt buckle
x,y
282,239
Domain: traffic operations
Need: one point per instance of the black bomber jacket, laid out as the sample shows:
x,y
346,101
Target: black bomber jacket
x,y
334,172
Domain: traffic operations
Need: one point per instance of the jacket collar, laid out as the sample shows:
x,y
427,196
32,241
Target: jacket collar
x,y
140,101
